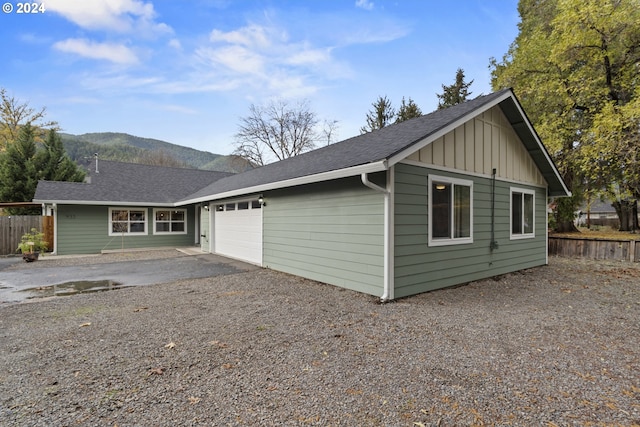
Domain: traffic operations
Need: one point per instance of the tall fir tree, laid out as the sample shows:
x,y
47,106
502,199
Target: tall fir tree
x,y
53,164
456,93
23,164
381,115
408,110
18,177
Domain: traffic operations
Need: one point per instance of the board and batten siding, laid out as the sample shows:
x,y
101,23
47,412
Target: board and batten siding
x,y
486,142
421,268
330,232
84,229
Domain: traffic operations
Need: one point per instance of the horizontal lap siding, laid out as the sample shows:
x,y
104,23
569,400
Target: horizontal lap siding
x,y
85,230
420,268
329,232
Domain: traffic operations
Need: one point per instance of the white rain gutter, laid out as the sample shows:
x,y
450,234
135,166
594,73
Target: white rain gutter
x,y
54,212
105,203
308,179
387,294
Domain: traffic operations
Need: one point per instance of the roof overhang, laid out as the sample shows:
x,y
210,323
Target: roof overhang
x,y
102,203
529,137
309,179
18,204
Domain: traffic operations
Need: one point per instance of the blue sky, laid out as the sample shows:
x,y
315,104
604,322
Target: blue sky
x,y
187,71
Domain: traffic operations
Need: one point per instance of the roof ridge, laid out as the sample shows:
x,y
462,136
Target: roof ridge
x,y
156,166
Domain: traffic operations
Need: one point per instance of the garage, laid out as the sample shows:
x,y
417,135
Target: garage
x,y
238,230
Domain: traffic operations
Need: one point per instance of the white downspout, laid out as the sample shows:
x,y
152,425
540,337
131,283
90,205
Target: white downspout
x,y
212,228
546,212
387,294
54,211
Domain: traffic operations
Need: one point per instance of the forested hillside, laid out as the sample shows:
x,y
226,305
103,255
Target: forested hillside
x,y
129,148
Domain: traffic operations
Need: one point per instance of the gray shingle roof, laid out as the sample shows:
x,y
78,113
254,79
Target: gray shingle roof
x,y
380,145
129,183
122,182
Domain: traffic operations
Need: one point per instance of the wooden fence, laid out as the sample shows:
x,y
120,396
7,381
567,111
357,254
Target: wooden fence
x,y
13,227
619,250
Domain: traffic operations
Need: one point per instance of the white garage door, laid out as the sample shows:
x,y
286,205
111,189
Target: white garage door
x,y
238,230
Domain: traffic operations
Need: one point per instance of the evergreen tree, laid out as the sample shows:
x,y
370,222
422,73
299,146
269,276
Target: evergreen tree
x,y
381,115
408,110
53,164
23,164
456,93
18,177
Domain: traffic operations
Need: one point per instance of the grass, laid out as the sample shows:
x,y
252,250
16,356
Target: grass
x,y
599,232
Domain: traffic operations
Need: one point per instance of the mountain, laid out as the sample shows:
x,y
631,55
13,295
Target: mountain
x,y
129,148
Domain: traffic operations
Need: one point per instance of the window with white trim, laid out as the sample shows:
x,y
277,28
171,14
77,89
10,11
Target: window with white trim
x,y
522,213
169,221
127,221
450,211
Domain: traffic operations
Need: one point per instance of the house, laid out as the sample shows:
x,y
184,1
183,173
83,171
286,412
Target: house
x,y
453,196
597,213
124,200
601,213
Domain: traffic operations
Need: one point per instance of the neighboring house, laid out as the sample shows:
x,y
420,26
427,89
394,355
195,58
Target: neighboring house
x,y
600,213
453,196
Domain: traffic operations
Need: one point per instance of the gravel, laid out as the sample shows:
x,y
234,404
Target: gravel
x,y
555,346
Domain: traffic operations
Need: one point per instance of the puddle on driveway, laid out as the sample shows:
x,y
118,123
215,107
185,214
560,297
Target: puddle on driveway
x,y
72,288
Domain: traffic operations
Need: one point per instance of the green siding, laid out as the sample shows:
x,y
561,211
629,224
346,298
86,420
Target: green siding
x,y
420,268
331,232
85,230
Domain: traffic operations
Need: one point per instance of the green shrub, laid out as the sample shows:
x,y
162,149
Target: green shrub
x,y
32,242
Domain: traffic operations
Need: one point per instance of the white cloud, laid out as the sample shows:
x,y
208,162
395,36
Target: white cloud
x,y
196,83
263,58
34,39
117,82
310,56
364,4
175,44
291,86
177,109
83,100
242,60
250,36
123,16
116,53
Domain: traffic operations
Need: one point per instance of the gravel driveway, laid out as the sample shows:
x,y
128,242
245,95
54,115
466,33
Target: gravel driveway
x,y
550,346
63,275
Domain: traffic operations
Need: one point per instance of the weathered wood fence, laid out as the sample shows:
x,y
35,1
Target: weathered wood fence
x,y
13,227
618,250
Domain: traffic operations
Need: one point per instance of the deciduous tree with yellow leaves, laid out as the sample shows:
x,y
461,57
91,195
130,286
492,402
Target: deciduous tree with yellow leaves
x,y
14,114
575,66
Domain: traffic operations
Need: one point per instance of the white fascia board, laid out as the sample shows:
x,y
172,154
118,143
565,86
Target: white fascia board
x,y
104,203
309,179
442,132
